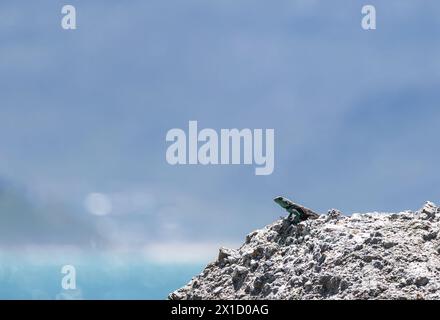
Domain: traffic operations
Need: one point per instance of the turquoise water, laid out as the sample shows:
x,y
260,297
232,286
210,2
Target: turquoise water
x,y
97,277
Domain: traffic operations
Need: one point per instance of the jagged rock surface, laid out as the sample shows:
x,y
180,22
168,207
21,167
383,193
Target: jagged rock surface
x,y
362,256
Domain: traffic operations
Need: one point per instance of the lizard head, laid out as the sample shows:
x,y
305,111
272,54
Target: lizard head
x,y
283,202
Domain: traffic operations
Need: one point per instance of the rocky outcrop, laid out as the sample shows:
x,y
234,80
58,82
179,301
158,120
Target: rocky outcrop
x,y
362,256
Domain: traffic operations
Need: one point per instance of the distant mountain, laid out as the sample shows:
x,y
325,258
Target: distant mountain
x,y
22,221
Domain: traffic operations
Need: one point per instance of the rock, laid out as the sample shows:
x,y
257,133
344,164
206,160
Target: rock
x,y
377,264
429,210
329,284
217,290
250,236
259,282
308,286
421,281
175,295
226,255
389,244
363,256
430,235
373,240
333,214
239,270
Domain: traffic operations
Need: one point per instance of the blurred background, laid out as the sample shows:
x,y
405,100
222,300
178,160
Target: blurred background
x,y
84,114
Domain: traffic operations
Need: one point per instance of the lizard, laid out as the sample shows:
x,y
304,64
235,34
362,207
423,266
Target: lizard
x,y
298,212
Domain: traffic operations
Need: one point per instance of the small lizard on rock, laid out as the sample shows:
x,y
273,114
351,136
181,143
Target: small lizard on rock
x,y
298,212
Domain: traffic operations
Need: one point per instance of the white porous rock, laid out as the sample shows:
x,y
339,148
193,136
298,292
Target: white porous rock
x,y
362,256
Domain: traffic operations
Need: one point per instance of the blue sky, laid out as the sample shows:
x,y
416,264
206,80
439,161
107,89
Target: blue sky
x,y
355,116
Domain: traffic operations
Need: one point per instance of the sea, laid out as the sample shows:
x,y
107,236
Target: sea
x,y
90,276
